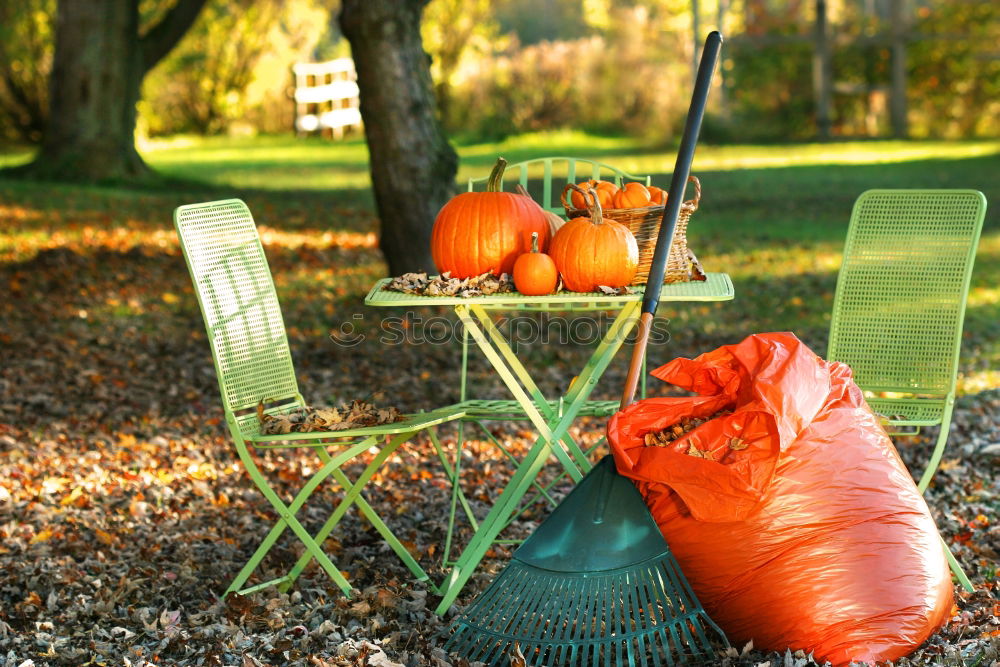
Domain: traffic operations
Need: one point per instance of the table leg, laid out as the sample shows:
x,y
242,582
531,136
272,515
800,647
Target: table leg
x,y
531,465
509,379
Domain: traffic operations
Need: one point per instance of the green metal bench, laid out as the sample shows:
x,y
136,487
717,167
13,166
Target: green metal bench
x,y
253,363
551,165
900,303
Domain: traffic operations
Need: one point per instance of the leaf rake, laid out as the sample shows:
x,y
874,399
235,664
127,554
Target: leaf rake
x,y
596,584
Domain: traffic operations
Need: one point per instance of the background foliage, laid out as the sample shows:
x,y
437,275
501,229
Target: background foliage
x,y
508,66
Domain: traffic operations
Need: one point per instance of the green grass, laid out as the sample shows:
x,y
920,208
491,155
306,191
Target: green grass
x,y
774,217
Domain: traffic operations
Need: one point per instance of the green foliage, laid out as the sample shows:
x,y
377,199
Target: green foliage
x,y
454,31
233,65
25,61
771,90
534,21
625,79
955,74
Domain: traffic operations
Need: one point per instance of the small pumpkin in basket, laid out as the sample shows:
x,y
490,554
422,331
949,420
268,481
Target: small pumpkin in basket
x,y
535,273
657,196
480,232
591,252
606,191
632,195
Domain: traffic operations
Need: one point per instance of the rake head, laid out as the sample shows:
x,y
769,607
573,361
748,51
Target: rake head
x,y
596,584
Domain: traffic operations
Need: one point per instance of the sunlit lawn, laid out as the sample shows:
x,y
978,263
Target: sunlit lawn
x,y
774,217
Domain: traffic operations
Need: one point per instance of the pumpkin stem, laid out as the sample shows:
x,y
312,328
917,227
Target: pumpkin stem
x,y
495,183
534,241
596,214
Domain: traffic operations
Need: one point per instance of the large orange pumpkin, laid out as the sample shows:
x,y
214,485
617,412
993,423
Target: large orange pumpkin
x,y
480,232
593,251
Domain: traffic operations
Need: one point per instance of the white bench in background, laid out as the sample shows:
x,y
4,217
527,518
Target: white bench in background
x,y
326,97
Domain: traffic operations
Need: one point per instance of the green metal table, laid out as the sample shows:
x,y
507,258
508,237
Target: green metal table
x,y
551,417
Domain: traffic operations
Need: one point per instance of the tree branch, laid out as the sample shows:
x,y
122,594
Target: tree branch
x,y
162,37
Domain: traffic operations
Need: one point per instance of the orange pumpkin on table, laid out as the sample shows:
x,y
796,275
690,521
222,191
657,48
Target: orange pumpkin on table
x,y
590,252
632,195
484,232
535,273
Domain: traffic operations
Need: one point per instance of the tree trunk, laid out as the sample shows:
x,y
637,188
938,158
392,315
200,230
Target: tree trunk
x,y
897,91
97,73
412,164
822,73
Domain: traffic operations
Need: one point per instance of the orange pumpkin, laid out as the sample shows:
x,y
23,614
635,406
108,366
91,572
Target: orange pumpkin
x,y
656,196
593,251
605,190
535,273
480,232
632,195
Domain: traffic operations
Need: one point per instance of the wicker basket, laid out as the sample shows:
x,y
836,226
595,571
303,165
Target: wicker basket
x,y
644,223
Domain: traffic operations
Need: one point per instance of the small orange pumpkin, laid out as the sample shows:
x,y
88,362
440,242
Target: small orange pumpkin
x,y
656,196
480,232
590,252
535,273
632,195
606,190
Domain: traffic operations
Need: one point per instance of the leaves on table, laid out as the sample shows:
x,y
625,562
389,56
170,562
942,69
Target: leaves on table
x,y
357,414
445,285
614,291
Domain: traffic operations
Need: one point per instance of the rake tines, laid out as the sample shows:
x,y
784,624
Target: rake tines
x,y
595,585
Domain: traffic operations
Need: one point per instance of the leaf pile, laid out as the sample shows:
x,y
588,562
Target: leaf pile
x,y
667,436
445,285
357,414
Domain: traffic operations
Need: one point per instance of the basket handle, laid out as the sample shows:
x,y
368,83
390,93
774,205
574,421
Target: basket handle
x,y
562,197
693,203
589,195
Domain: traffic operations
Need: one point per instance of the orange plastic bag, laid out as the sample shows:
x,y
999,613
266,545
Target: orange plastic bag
x,y
793,518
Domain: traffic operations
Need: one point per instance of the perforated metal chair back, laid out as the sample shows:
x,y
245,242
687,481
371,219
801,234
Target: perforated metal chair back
x,y
573,169
240,308
902,289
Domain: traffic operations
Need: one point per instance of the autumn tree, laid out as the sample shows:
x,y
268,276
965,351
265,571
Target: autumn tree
x,y
412,164
100,59
25,60
453,29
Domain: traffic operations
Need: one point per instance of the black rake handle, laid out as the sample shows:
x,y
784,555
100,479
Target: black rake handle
x,y
665,239
682,169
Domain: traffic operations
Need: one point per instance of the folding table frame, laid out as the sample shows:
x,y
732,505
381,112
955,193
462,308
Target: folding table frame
x,y
551,418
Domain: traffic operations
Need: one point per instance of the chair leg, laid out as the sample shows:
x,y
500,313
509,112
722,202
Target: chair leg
x,y
287,516
956,569
935,459
353,497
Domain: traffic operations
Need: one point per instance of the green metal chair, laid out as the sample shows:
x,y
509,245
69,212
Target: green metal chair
x,y
900,302
249,346
552,165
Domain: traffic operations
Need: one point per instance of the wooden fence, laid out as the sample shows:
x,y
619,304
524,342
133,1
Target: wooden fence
x,y
326,97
